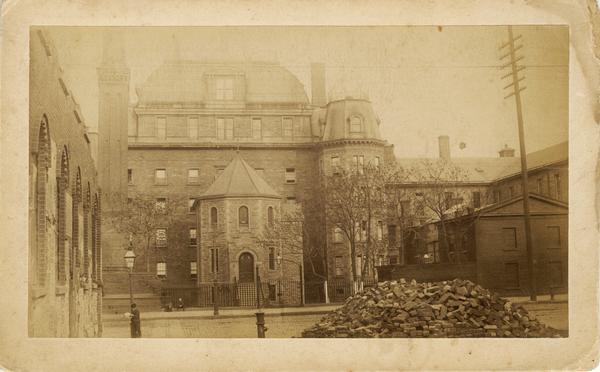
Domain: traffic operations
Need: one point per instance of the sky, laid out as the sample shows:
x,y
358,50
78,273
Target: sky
x,y
423,81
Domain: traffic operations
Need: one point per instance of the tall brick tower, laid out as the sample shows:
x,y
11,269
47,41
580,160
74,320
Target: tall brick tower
x,y
113,105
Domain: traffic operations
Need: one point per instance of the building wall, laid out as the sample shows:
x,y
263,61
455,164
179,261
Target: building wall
x,y
271,163
551,181
493,255
64,207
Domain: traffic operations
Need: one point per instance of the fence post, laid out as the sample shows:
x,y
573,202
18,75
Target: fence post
x,y
326,293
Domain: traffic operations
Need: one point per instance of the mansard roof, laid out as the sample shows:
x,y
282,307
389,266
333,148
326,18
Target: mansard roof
x,y
185,82
340,113
239,179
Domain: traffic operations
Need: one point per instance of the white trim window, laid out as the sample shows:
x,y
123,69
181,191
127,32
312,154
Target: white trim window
x,y
161,269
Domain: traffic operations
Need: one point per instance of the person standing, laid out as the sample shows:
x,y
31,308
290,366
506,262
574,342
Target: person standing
x,y
134,322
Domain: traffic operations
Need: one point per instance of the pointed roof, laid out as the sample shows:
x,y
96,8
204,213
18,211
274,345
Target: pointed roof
x,y
239,179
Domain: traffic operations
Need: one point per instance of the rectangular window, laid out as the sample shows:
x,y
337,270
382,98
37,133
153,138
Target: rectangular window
x,y
161,127
193,237
557,186
339,266
161,269
272,292
228,128
476,197
392,236
553,236
379,230
509,238
335,164
359,163
363,231
290,175
511,275
194,269
496,196
214,260
193,128
376,162
193,175
256,128
220,128
191,205
355,124
287,127
291,199
393,260
161,238
337,235
130,176
271,258
160,176
161,205
405,208
555,273
420,208
224,89
448,196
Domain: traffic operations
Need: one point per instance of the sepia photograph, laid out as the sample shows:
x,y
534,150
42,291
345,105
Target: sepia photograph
x,y
299,182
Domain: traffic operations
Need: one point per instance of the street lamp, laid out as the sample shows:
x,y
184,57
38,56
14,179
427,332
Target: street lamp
x,y
129,261
300,268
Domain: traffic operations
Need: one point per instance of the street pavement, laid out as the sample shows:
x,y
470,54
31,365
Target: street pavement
x,y
281,322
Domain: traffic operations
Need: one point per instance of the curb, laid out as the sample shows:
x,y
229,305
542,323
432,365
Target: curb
x,y
224,316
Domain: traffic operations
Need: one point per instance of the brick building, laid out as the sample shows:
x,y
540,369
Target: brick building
x,y
191,120
489,232
65,255
194,119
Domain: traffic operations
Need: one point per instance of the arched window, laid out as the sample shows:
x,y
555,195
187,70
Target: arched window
x,y
76,246
63,184
86,231
243,216
213,217
41,182
356,124
270,216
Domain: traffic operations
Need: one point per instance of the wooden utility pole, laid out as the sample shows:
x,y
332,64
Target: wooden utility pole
x,y
516,89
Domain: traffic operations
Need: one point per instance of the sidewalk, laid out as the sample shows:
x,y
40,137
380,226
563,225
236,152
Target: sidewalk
x,y
224,313
312,309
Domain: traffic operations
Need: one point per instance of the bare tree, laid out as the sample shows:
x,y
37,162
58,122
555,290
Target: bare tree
x,y
444,193
297,232
143,218
357,198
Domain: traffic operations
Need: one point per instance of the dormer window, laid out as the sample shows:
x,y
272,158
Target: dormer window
x,y
356,124
224,89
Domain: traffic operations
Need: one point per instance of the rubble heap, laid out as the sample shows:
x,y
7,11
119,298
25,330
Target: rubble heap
x,y
457,308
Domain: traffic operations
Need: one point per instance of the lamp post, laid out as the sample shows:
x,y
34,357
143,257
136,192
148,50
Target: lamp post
x,y
301,275
129,261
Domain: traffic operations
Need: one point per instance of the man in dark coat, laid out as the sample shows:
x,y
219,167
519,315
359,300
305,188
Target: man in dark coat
x,y
136,330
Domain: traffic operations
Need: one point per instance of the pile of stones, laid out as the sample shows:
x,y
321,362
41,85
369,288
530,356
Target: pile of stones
x,y
457,308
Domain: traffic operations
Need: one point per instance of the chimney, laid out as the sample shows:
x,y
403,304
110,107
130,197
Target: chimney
x,y
507,152
444,144
317,76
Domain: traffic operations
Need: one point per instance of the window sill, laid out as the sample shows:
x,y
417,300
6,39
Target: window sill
x,y
61,290
38,292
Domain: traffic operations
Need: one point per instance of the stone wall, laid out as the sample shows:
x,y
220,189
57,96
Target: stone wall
x,y
65,252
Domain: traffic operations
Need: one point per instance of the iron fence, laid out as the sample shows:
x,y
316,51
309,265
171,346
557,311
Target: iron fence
x,y
273,293
279,293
